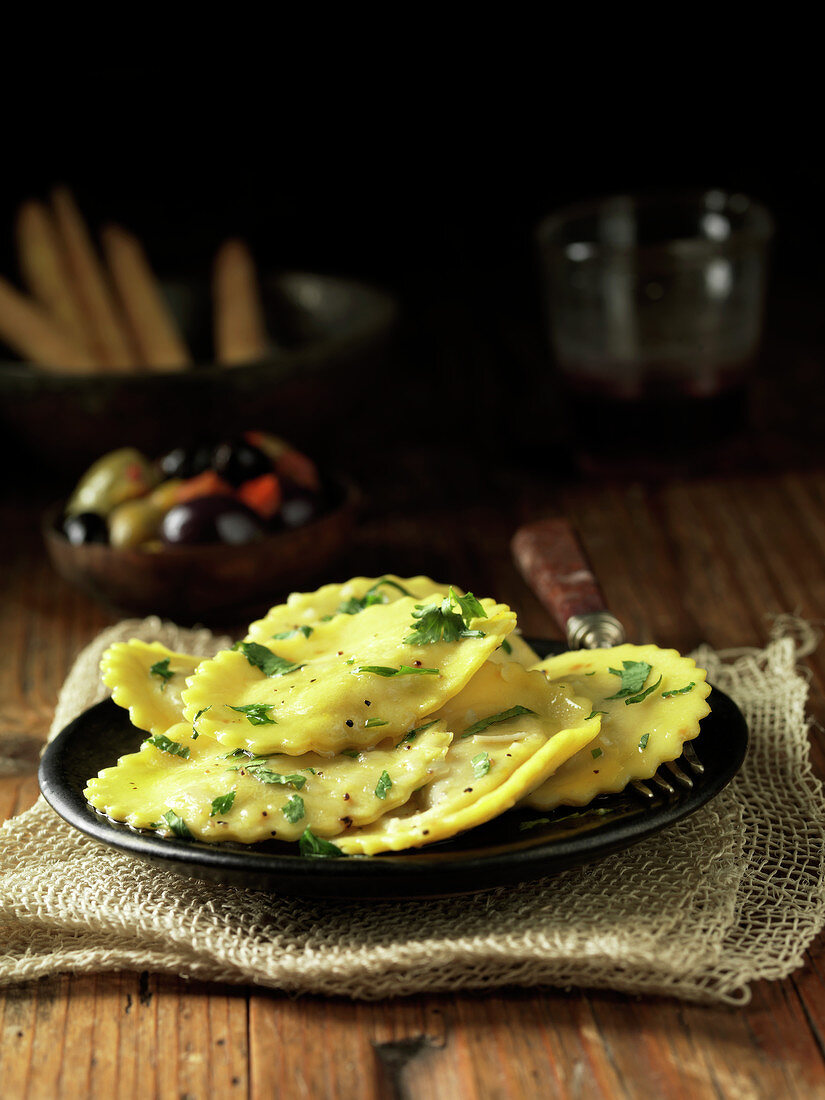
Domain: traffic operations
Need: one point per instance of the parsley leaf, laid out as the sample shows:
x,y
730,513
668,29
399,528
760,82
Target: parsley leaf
x,y
177,825
643,740
354,605
643,695
505,645
470,607
633,675
494,719
383,786
162,671
593,714
166,744
596,753
439,622
312,845
679,691
371,723
222,804
481,764
293,809
268,662
419,729
282,637
256,713
203,710
256,767
403,670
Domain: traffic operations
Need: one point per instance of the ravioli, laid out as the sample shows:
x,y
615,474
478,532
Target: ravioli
x,y
643,728
321,696
153,698
487,772
195,776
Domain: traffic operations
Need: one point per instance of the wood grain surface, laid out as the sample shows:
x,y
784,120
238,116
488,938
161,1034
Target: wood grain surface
x,y
681,562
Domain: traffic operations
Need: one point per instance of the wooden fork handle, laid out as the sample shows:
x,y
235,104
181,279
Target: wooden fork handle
x,y
552,561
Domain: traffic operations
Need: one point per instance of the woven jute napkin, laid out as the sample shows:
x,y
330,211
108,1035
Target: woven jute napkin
x,y
732,894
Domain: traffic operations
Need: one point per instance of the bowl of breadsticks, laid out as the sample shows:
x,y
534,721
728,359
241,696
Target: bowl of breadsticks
x,y
96,352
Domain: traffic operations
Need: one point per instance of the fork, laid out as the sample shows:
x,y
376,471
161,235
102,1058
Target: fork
x,y
552,561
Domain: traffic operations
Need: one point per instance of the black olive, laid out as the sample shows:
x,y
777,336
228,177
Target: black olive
x,y
211,519
239,461
85,527
300,508
185,462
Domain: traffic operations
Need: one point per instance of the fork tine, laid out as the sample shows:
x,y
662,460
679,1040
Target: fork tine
x,y
691,759
679,776
642,790
662,784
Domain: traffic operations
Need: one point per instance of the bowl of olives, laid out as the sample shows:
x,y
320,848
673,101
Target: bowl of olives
x,y
208,533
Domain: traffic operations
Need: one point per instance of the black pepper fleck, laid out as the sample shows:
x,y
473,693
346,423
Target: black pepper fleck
x,y
347,821
367,703
346,797
350,723
467,790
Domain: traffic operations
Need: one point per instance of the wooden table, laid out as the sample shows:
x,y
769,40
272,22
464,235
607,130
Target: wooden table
x,y
680,563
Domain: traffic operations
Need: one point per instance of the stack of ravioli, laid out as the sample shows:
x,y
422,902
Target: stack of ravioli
x,y
383,714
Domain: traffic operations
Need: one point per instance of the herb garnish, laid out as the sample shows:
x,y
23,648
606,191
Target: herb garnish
x,y
419,729
162,671
312,845
256,713
438,622
371,723
268,662
372,596
203,710
633,675
643,740
403,670
481,764
177,825
256,767
282,637
494,719
293,809
383,786
593,714
596,753
644,694
351,753
679,691
166,744
222,804
505,645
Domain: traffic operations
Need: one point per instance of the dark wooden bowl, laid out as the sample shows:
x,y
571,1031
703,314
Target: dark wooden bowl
x,y
332,339
203,584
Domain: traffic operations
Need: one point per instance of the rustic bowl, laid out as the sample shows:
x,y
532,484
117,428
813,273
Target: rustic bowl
x,y
214,584
332,338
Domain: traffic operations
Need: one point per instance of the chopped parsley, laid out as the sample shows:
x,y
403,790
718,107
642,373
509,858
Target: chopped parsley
x,y
481,764
494,719
293,809
593,673
644,694
505,645
679,691
222,804
351,753
316,846
404,670
268,662
643,740
282,637
311,771
418,729
256,713
383,786
633,675
256,767
593,714
177,825
203,710
162,671
437,622
371,723
372,596
166,744
596,753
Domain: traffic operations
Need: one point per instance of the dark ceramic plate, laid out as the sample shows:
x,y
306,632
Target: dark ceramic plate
x,y
494,854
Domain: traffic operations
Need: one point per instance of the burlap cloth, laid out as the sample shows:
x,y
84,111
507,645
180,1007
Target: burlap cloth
x,y
733,894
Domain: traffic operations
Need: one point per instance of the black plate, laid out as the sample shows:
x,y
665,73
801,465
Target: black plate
x,y
494,854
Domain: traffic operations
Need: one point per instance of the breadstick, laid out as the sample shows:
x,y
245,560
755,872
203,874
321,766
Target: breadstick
x,y
240,330
36,336
44,271
159,343
111,338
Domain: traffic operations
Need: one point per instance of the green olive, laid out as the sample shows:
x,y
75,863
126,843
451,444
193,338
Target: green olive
x,y
165,496
117,476
134,523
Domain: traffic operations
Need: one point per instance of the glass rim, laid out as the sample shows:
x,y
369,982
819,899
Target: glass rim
x,y
758,230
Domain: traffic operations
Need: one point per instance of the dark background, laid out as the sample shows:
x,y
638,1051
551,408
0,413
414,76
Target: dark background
x,y
437,202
